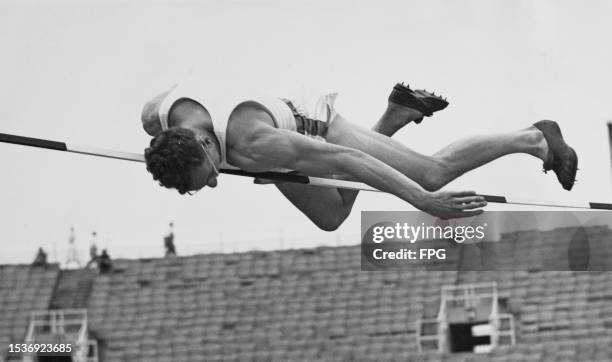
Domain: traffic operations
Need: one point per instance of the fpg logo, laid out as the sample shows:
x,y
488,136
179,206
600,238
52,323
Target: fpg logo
x,y
439,254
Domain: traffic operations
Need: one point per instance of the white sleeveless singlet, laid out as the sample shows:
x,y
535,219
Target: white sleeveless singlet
x,y
321,108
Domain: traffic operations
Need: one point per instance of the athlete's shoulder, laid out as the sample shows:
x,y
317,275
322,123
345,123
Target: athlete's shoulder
x,y
248,116
247,122
248,109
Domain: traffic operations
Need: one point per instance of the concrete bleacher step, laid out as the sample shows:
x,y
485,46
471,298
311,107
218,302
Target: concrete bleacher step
x,y
22,289
73,289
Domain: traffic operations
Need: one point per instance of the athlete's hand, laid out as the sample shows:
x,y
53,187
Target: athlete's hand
x,y
452,204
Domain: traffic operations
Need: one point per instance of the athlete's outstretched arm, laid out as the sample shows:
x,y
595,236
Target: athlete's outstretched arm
x,y
273,147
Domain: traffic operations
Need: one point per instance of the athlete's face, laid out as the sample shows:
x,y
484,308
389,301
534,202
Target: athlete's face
x,y
206,173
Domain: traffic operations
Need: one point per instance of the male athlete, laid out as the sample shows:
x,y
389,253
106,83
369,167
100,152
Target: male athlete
x,y
191,142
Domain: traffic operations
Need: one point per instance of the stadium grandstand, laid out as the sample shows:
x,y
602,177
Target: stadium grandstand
x,y
309,305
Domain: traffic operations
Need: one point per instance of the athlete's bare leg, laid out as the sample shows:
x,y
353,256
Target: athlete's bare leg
x,y
433,172
328,208
394,118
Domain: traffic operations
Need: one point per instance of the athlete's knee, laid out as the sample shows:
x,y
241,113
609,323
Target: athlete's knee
x,y
332,220
328,225
436,176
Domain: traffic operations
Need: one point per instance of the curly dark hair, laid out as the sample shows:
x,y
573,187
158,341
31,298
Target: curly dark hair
x,y
171,156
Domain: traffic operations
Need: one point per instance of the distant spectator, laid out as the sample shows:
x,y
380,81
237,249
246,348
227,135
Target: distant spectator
x,y
41,258
169,244
105,263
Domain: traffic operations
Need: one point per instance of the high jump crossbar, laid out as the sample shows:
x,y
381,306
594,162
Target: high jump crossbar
x,y
275,176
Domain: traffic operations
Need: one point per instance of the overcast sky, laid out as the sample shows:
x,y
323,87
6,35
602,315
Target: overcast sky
x,y
80,72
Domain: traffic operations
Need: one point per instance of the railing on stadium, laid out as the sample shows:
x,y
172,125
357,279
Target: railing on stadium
x,y
66,325
474,302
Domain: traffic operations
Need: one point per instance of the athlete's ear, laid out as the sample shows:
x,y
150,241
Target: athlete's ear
x,y
207,141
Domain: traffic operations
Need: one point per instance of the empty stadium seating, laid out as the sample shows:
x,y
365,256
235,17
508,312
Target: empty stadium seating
x,y
22,290
314,304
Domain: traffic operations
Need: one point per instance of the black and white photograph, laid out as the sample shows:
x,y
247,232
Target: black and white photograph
x,y
306,180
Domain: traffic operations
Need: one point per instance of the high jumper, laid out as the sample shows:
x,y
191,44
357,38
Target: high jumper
x,y
192,141
280,177
156,111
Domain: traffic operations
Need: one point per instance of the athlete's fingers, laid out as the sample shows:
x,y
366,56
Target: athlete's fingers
x,y
468,199
463,193
472,205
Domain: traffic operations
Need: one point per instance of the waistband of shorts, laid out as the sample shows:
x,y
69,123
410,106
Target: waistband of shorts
x,y
305,125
